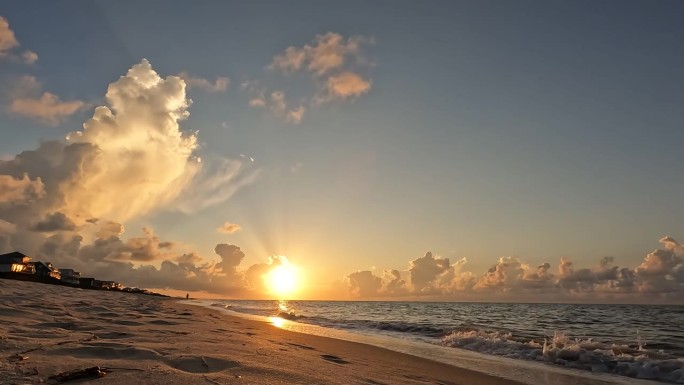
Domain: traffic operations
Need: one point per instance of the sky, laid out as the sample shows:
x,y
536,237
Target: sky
x,y
441,150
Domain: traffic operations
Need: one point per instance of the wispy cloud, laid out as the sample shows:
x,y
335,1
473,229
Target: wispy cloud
x,y
219,85
48,108
332,63
257,102
9,45
275,103
346,85
229,228
29,57
328,52
29,100
296,115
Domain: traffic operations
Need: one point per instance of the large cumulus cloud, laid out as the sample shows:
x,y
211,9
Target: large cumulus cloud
x,y
67,200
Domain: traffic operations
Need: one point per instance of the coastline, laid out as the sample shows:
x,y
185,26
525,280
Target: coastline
x,y
46,330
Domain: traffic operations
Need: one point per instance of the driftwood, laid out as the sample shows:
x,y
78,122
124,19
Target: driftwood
x,y
79,374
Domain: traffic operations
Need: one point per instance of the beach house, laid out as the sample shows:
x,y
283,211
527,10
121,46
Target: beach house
x,y
45,269
16,262
70,276
110,285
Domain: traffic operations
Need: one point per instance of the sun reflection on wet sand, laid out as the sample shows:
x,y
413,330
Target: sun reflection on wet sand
x,y
277,322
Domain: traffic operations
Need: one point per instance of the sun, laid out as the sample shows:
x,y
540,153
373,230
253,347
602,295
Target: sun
x,y
282,280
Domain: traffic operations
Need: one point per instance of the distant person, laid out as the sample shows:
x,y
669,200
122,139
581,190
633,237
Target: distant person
x,y
187,295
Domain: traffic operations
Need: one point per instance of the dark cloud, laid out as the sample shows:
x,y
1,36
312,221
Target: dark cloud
x,y
55,222
231,256
425,270
364,284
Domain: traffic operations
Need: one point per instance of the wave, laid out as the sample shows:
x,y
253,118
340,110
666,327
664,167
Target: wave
x,y
635,359
290,315
588,354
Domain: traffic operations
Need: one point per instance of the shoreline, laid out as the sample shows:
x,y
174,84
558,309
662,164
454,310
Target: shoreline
x,y
46,330
144,339
522,371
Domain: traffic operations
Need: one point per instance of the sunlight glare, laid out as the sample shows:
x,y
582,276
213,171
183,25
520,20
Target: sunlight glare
x,y
282,280
277,322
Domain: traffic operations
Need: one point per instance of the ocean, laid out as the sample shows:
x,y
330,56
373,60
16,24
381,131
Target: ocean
x,y
630,342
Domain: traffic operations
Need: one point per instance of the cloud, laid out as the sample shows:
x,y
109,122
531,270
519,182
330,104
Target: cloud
x,y
660,277
219,85
26,85
146,248
346,85
29,57
364,283
393,283
277,105
425,270
333,63
254,276
9,44
8,40
295,116
289,61
257,102
20,190
218,180
66,201
231,256
328,52
28,99
55,222
47,109
146,261
229,228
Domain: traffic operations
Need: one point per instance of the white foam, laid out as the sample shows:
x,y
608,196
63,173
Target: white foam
x,y
526,372
582,354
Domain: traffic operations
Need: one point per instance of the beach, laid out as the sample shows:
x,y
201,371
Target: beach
x,y
138,339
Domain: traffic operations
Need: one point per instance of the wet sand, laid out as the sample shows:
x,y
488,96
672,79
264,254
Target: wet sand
x,y
45,330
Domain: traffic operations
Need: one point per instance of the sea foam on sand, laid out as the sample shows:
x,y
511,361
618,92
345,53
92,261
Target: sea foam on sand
x,y
139,339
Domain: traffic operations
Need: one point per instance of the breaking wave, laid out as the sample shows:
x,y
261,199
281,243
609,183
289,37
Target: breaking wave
x,y
588,354
612,336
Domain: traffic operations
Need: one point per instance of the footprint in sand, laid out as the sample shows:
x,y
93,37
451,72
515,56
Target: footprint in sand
x,y
373,382
335,359
163,322
114,335
202,364
301,346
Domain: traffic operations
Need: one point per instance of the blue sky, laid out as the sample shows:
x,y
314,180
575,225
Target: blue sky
x,y
538,129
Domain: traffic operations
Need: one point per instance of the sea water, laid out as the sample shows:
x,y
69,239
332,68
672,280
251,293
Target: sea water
x,y
534,343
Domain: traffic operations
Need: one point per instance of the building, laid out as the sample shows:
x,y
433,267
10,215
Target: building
x,y
45,269
87,282
16,262
111,285
70,276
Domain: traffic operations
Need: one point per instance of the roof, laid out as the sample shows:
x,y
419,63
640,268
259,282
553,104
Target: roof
x,y
13,257
13,254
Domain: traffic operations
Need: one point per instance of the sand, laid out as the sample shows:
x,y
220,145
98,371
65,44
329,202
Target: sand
x,y
45,330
